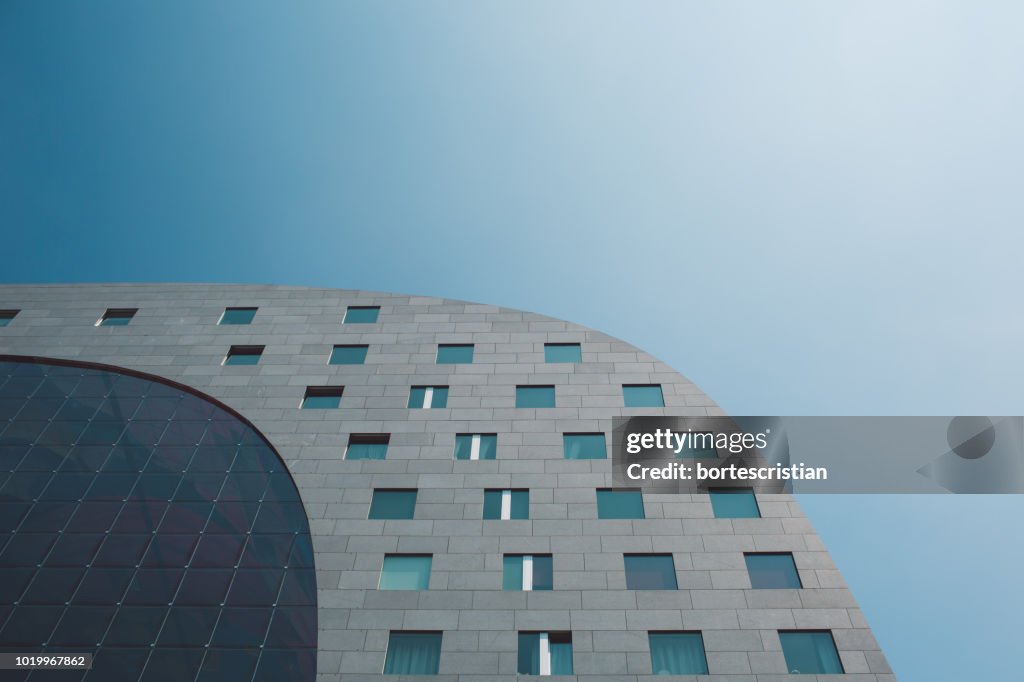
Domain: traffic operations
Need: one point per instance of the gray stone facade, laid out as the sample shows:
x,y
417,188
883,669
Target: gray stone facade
x,y
175,335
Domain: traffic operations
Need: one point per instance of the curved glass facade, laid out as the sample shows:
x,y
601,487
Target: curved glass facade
x,y
147,525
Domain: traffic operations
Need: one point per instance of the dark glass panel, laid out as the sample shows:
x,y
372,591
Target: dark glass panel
x,y
224,433
172,665
140,517
267,551
44,458
170,459
111,487
22,432
30,626
94,517
86,458
26,549
255,587
125,458
53,585
11,455
284,517
157,409
242,627
117,664
213,458
155,487
302,552
122,550
190,410
239,486
40,408
232,517
183,433
218,550
104,585
49,515
186,517
74,410
228,665
68,486
199,486
292,626
136,625
24,486
280,489
153,586
11,514
101,433
204,586
13,582
258,458
299,588
276,665
74,549
82,626
188,626
170,550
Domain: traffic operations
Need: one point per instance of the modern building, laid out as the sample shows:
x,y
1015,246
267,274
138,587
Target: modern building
x,y
220,483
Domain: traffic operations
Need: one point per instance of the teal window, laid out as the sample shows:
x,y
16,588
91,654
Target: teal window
x,y
367,446
545,653
563,352
810,652
361,314
584,446
455,354
393,504
734,503
650,572
413,653
527,572
405,572
535,396
348,355
243,355
476,446
117,317
643,396
677,653
506,504
428,397
699,444
322,397
237,316
6,316
771,571
620,504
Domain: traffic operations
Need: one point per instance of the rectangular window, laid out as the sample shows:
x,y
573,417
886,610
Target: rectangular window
x,y
620,504
428,397
362,314
772,571
535,396
643,396
563,352
405,572
734,503
650,572
810,652
699,444
584,446
367,446
393,504
476,446
455,354
237,316
322,397
347,355
677,653
6,316
243,355
116,317
545,653
527,572
413,653
506,504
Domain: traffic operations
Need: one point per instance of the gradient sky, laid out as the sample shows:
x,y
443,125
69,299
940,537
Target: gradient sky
x,y
806,207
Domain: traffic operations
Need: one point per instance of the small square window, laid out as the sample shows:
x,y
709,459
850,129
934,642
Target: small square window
x,y
535,396
563,352
643,396
348,355
116,317
810,652
455,354
405,572
237,316
367,446
393,504
243,355
650,572
527,572
584,446
428,397
506,504
6,316
772,571
545,653
620,504
677,653
476,446
322,397
413,653
362,314
734,503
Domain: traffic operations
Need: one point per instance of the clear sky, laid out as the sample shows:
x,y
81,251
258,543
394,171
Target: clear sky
x,y
806,207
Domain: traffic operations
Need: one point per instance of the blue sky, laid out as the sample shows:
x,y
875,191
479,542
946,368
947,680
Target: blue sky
x,y
808,208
